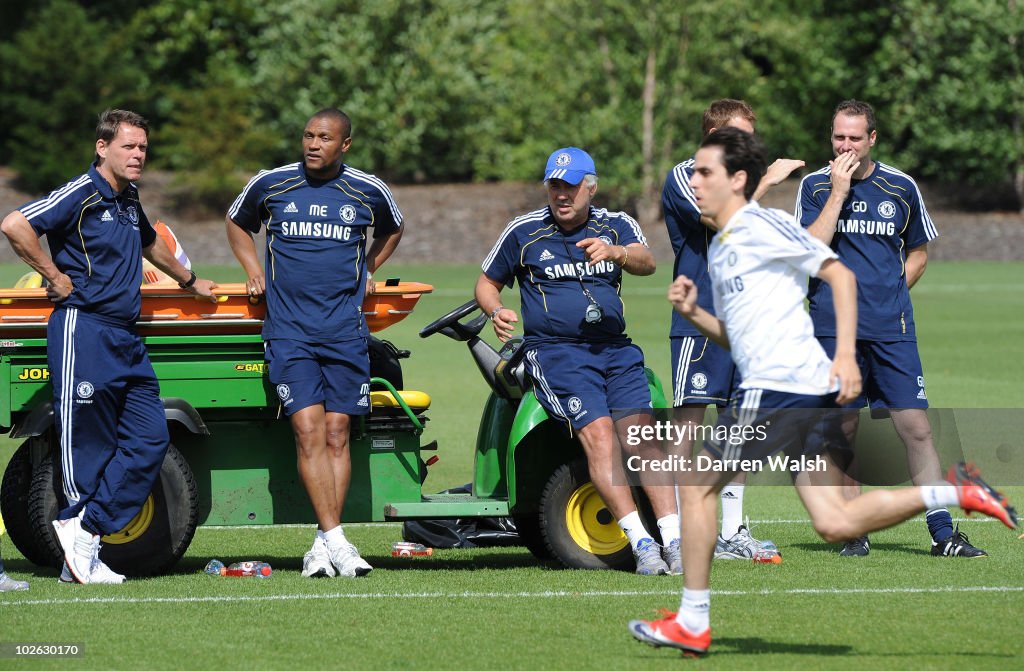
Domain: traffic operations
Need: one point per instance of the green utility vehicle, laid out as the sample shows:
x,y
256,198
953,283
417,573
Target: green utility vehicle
x,y
232,461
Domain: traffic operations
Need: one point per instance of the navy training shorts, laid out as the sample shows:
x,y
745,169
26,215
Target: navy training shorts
x,y
581,382
763,422
335,374
702,372
892,373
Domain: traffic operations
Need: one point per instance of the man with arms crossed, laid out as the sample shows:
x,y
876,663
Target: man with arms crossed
x,y
873,217
317,213
760,261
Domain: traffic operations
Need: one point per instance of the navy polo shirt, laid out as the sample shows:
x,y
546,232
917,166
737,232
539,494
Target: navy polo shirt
x,y
96,238
316,247
691,240
882,218
553,273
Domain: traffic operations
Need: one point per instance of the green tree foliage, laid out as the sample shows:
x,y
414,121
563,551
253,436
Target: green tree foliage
x,y
949,87
632,90
57,75
455,90
211,132
210,168
407,72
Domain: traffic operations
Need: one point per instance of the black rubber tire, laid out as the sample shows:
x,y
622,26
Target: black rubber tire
x,y
562,485
157,547
14,495
528,528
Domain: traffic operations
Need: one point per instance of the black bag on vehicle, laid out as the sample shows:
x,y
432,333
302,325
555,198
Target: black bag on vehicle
x,y
474,532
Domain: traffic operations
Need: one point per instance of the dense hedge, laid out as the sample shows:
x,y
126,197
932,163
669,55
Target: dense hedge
x,y
459,90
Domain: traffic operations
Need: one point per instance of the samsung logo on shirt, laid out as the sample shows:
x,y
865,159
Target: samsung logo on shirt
x,y
577,269
866,226
315,229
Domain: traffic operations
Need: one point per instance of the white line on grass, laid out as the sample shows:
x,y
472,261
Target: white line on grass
x,y
550,594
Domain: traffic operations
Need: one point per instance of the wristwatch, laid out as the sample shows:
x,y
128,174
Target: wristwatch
x,y
191,280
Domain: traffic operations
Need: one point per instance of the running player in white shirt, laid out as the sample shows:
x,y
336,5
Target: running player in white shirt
x,y
760,262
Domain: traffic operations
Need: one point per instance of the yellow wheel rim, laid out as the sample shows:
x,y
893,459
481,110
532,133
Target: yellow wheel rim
x,y
136,527
591,525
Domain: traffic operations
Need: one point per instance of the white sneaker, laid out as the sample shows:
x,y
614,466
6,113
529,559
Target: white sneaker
x,y
9,584
347,561
317,562
82,563
80,547
103,574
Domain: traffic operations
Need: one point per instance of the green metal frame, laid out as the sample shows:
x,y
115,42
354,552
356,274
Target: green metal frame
x,y
245,467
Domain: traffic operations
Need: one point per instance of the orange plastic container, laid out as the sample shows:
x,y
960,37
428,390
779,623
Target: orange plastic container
x,y
169,310
391,304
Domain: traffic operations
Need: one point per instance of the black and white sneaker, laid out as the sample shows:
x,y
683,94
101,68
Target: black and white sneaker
x,y
956,545
858,547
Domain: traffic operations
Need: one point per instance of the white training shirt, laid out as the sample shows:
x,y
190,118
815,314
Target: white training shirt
x,y
760,263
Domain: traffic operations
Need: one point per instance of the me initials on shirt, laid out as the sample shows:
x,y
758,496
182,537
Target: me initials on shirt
x,y
320,229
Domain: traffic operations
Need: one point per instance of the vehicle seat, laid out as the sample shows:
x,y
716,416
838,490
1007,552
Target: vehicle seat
x,y
419,401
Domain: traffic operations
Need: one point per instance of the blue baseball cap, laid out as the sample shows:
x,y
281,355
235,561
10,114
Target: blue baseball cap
x,y
570,165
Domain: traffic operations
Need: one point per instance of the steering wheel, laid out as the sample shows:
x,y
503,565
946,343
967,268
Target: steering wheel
x,y
450,326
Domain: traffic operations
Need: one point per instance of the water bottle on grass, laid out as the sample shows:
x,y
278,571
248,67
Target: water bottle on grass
x,y
407,549
242,569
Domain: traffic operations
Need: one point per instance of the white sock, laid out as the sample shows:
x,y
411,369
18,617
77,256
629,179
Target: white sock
x,y
695,611
669,528
938,496
732,509
335,538
634,528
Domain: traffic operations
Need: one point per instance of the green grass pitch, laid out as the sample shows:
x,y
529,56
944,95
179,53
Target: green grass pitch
x,y
500,609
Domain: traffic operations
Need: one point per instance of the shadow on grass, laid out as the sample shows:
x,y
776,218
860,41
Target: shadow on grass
x,y
21,565
830,548
758,646
472,560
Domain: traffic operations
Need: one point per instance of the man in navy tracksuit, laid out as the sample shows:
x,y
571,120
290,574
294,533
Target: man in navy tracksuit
x,y
113,433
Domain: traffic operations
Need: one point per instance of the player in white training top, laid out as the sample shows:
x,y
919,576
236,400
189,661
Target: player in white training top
x,y
787,402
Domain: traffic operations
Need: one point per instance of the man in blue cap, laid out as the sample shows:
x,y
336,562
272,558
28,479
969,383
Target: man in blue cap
x,y
569,259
